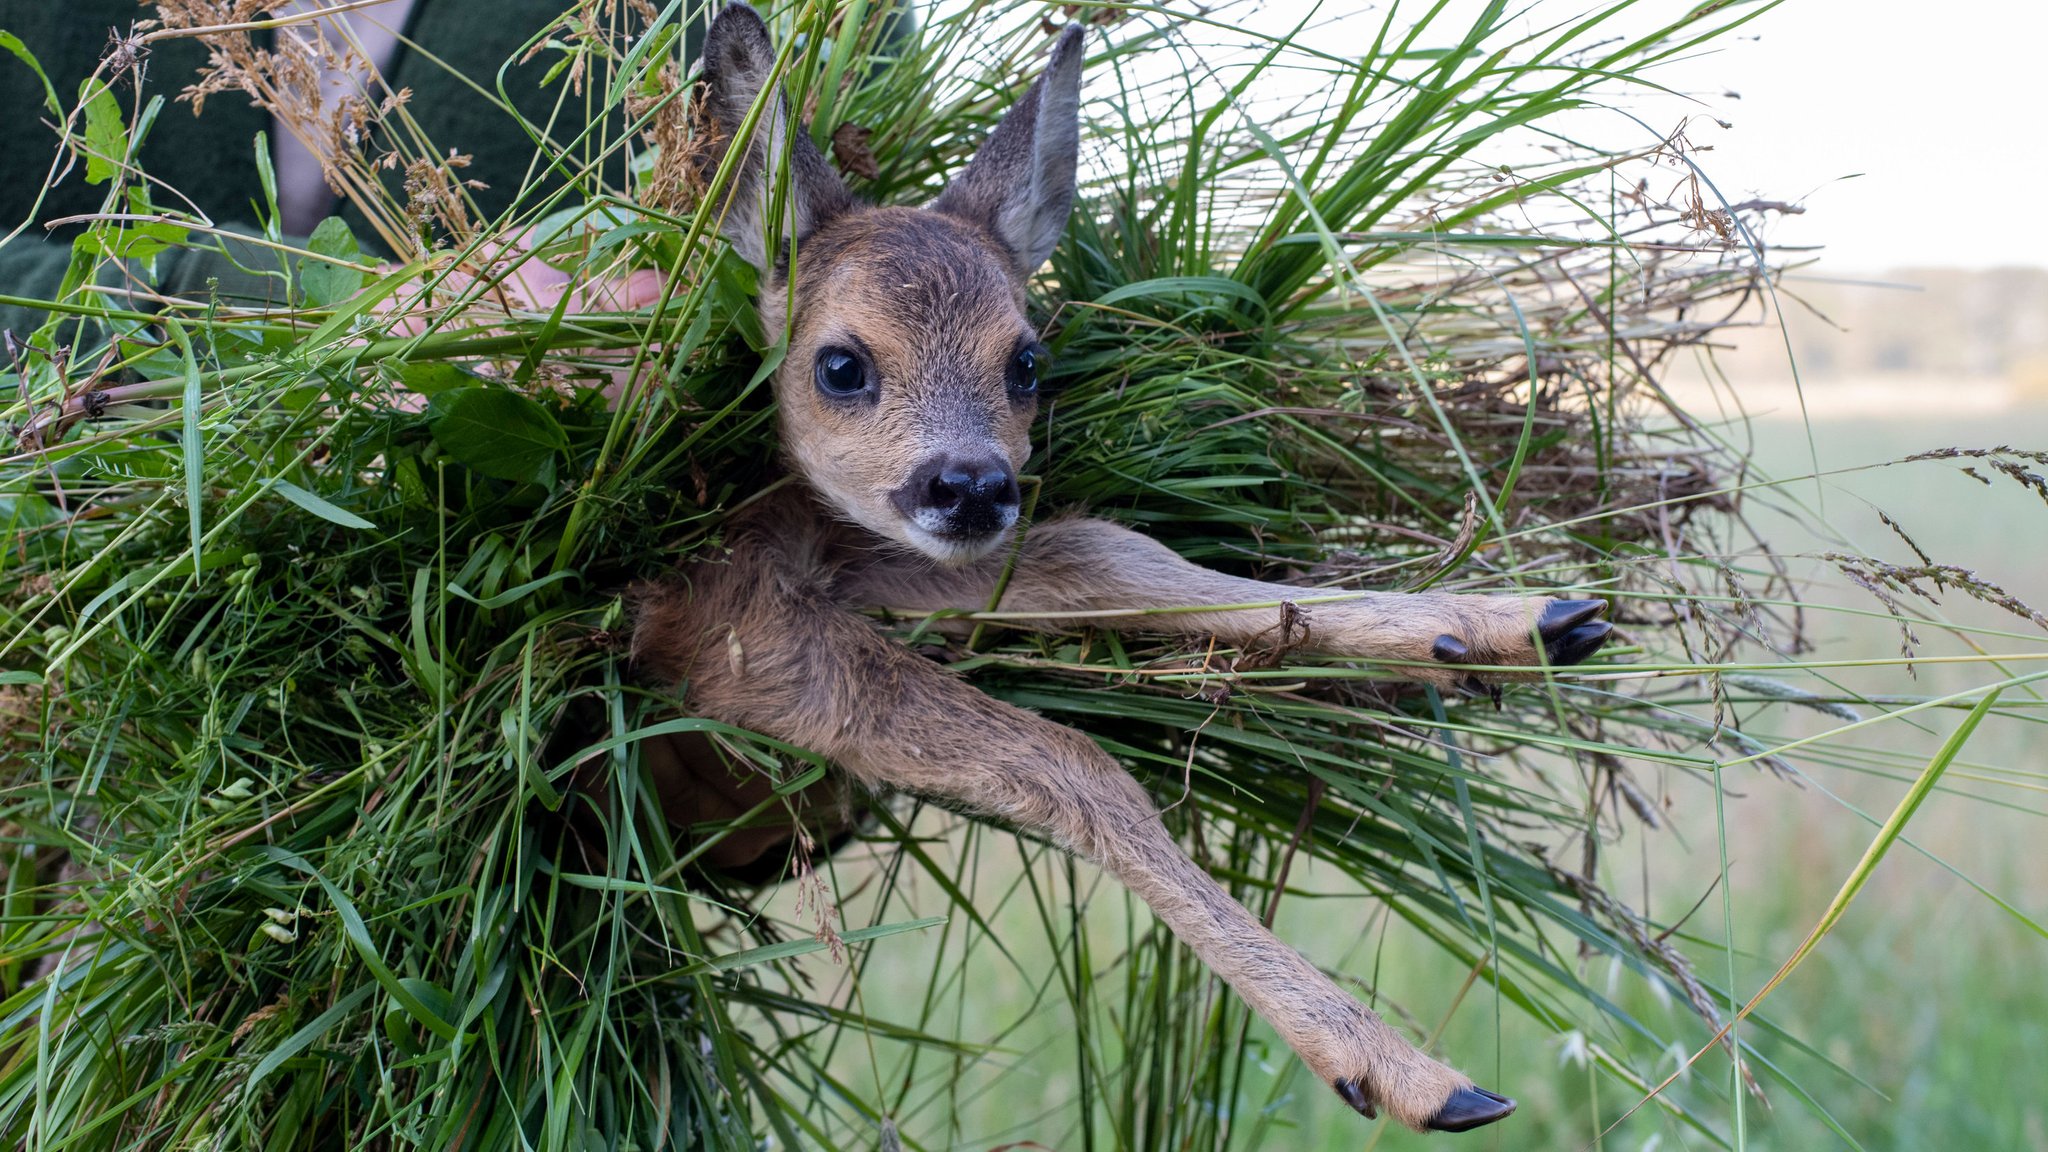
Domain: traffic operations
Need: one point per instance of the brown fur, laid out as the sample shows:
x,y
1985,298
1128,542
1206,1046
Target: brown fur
x,y
938,317
767,638
1074,571
762,642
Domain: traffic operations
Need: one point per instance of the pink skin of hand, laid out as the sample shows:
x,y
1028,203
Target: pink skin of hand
x,y
529,286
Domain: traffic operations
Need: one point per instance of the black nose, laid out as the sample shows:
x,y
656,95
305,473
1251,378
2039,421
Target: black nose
x,y
953,496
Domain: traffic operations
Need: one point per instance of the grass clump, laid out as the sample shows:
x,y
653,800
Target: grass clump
x,y
294,594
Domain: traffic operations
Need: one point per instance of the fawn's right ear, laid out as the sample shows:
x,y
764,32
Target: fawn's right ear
x,y
739,62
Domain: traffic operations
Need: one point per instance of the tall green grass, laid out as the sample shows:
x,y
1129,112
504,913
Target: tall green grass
x,y
287,624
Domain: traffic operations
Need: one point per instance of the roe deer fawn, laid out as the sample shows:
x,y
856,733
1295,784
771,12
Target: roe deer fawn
x,y
906,401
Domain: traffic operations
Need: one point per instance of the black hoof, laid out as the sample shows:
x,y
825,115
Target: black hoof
x,y
1354,1094
1565,615
1470,1108
1449,650
1577,644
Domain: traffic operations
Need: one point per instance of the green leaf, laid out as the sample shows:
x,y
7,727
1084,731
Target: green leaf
x,y
266,174
542,342
499,433
193,439
560,66
433,377
319,507
1894,826
429,994
19,679
651,45
140,240
327,283
1181,287
12,43
106,134
146,576
432,676
514,595
23,510
298,1041
337,326
358,935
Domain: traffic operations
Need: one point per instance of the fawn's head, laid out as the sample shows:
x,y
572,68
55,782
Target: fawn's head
x,y
911,378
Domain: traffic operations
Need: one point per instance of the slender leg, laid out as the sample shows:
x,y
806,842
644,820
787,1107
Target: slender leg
x,y
761,645
1079,565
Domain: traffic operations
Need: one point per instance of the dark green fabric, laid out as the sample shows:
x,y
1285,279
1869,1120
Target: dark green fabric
x,y
211,158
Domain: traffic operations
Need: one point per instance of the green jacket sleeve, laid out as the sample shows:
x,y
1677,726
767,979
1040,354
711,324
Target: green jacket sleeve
x,y
30,268
226,268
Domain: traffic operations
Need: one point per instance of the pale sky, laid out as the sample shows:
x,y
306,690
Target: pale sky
x,y
1940,107
1913,132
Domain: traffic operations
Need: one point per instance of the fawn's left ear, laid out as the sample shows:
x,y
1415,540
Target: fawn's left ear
x,y
1020,186
739,63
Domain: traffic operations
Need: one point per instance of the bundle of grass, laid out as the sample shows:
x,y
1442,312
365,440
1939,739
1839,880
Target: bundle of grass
x,y
295,594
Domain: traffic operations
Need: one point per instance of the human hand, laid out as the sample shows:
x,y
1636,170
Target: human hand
x,y
510,281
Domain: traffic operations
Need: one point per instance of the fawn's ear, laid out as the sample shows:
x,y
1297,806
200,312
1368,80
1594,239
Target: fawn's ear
x,y
739,60
1020,186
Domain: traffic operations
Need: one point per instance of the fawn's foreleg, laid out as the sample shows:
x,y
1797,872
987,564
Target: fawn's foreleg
x,y
763,647
1116,578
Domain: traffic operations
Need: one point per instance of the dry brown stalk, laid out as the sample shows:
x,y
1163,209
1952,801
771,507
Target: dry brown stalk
x,y
357,137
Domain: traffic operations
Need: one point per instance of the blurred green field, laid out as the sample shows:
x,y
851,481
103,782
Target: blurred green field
x,y
1928,1000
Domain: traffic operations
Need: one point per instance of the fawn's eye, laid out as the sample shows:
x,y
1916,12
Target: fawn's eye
x,y
1024,370
840,373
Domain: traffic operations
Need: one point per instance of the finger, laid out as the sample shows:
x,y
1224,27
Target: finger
x,y
642,289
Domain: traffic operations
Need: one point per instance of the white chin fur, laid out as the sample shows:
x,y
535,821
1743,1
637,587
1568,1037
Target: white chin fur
x,y
947,551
